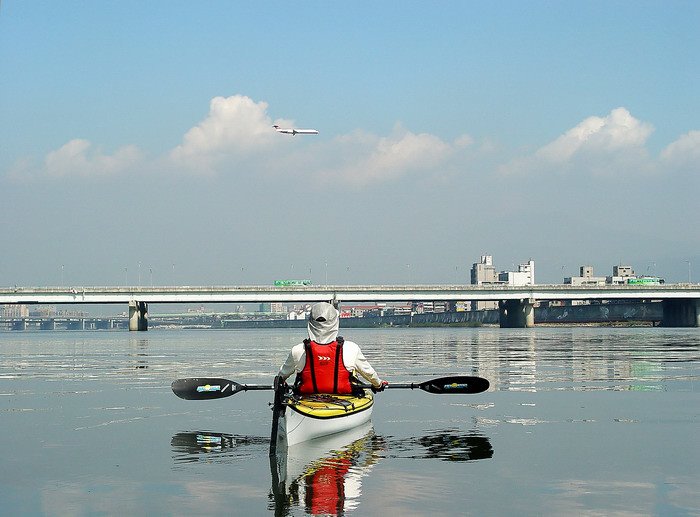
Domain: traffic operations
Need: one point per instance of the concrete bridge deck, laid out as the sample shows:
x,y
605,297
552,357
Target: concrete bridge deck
x,y
681,301
342,293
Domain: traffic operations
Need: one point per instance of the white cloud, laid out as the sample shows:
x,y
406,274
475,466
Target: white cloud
x,y
238,126
236,134
684,151
464,141
77,158
370,158
618,131
235,125
80,158
610,145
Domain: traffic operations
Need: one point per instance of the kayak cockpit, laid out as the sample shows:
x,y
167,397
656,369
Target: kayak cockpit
x,y
326,406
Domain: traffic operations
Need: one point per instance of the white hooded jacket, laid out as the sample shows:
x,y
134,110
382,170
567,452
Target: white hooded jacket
x,y
323,328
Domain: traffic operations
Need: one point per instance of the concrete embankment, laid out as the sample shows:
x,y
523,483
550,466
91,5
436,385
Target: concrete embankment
x,y
650,313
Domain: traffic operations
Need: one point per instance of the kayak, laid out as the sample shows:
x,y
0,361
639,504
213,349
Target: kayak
x,y
298,419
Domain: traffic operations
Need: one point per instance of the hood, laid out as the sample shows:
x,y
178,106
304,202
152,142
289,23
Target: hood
x,y
323,323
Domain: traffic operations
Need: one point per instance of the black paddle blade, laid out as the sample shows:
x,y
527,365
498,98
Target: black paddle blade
x,y
205,388
456,384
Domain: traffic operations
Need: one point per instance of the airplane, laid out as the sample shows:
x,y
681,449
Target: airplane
x,y
294,132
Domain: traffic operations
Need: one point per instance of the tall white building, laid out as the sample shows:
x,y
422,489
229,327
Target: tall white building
x,y
484,272
525,275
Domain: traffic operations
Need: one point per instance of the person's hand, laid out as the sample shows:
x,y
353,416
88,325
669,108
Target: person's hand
x,y
377,389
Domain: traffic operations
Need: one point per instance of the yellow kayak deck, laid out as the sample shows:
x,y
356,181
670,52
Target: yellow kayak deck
x,y
326,406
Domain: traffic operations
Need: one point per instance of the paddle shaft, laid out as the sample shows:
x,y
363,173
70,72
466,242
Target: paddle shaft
x,y
254,387
404,385
277,412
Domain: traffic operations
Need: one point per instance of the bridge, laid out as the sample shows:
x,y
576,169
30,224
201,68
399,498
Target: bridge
x,y
681,302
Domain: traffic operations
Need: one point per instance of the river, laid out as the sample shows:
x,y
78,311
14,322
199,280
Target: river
x,y
578,420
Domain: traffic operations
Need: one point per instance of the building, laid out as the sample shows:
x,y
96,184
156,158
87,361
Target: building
x,y
484,272
277,307
620,274
15,311
462,306
623,271
525,275
44,311
297,314
585,278
429,307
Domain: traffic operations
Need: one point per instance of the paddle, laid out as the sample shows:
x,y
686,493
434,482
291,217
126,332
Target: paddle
x,y
460,384
206,388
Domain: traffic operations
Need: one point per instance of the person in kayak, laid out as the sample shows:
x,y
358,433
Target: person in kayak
x,y
325,362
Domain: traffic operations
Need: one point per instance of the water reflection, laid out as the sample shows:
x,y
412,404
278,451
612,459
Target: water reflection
x,y
209,446
327,479
446,445
550,359
139,354
325,476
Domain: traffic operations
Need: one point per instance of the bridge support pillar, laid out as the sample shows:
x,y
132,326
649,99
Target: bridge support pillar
x,y
681,313
516,313
138,315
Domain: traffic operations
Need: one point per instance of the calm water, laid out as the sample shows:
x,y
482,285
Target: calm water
x,y
584,421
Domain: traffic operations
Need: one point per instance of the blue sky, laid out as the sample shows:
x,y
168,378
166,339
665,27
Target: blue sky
x,y
139,132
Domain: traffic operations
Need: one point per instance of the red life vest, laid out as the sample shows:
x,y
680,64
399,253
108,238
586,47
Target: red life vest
x,y
324,371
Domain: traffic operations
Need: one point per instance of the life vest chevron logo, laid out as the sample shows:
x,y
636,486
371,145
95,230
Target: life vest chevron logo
x,y
324,358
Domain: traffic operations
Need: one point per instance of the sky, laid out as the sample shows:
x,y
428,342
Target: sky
x,y
136,140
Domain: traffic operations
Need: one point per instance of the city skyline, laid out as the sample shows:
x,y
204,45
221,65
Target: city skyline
x,y
137,147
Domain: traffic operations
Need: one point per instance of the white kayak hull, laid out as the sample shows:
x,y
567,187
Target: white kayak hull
x,y
302,421
297,428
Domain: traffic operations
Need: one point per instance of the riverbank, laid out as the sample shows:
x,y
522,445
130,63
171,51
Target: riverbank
x,y
608,314
618,314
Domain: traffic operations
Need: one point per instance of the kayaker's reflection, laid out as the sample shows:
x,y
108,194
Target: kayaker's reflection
x,y
445,445
324,475
331,483
194,446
